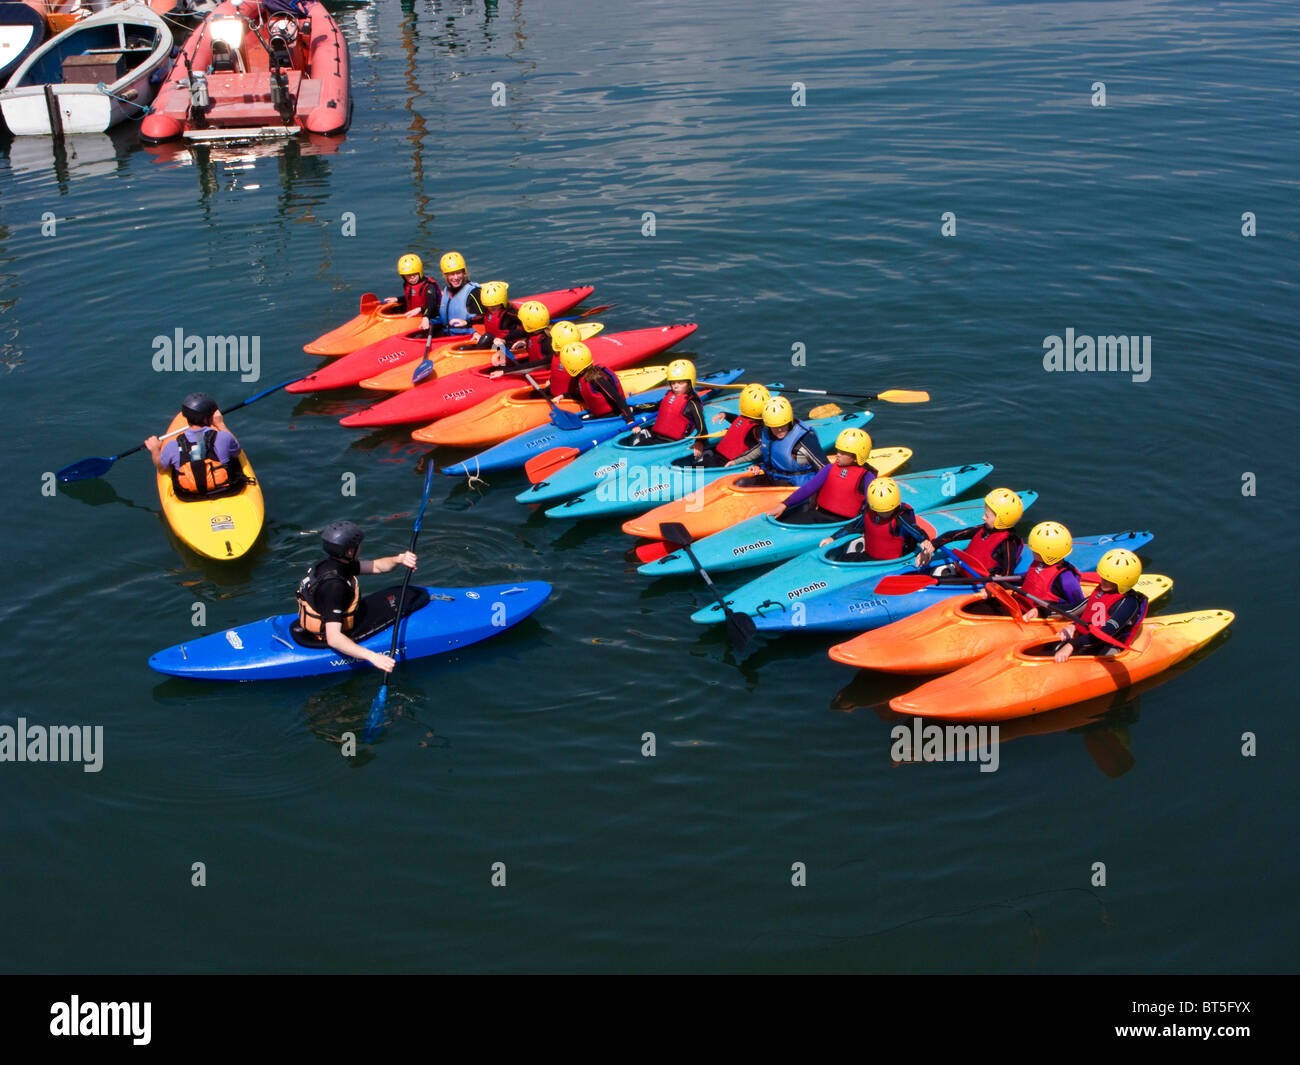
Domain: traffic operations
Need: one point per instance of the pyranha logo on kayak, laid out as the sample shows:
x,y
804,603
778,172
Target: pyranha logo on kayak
x,y
1109,354
945,743
794,593
736,552
213,354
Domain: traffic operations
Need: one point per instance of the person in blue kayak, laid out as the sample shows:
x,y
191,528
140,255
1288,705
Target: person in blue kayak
x,y
883,528
1114,608
994,547
203,460
1050,577
742,443
420,294
836,492
596,387
788,450
678,415
329,596
458,306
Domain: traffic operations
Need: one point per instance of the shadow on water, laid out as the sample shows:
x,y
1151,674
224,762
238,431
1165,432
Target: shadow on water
x,y
97,493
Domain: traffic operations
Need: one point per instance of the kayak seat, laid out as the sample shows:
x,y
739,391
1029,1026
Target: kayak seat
x,y
988,608
375,613
237,483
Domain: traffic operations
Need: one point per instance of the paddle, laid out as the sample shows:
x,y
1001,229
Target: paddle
x,y
891,395
560,418
740,627
424,368
374,720
539,467
906,583
1091,630
97,467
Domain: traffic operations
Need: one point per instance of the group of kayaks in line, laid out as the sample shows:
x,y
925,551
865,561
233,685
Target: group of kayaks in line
x,y
724,476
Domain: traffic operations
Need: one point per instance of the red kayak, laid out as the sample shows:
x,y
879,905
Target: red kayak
x,y
459,391
350,370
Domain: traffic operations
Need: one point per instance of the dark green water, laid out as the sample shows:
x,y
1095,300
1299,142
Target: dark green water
x,y
776,225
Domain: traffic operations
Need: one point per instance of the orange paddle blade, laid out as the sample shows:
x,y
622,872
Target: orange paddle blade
x,y
903,395
539,467
653,551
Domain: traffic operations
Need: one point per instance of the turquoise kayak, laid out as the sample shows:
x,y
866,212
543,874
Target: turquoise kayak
x,y
638,485
606,460
855,607
764,540
514,453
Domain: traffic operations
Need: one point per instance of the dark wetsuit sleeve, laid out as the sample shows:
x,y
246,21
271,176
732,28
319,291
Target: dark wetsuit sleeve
x,y
433,302
473,308
608,386
957,534
695,415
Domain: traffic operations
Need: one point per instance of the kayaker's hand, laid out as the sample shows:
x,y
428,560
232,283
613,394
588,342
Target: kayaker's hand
x,y
381,661
457,322
719,418
927,553
417,313
984,592
496,373
1063,652
1067,632
425,324
698,451
776,511
153,444
498,359
406,558
754,470
519,345
828,540
1030,614
218,422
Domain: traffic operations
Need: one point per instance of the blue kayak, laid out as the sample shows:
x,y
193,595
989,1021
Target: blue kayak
x,y
854,607
819,569
605,460
440,619
638,485
515,452
763,540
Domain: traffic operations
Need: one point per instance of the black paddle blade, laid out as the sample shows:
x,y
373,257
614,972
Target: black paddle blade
x,y
741,630
85,470
675,533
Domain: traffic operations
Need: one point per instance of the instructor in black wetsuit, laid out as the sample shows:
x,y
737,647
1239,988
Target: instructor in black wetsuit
x,y
328,596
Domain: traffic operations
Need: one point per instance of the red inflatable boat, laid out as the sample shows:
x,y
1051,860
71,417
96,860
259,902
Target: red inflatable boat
x,y
254,69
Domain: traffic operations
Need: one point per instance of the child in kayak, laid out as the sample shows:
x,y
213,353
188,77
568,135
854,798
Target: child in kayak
x,y
741,444
501,326
678,414
1050,577
788,450
596,387
1114,608
836,492
994,546
203,460
885,524
329,594
458,306
421,294
532,349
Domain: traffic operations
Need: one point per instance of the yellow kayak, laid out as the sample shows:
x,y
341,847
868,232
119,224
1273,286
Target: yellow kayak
x,y
224,527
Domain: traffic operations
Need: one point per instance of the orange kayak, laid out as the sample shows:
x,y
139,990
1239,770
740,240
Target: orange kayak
x,y
507,414
956,631
1015,681
723,503
451,360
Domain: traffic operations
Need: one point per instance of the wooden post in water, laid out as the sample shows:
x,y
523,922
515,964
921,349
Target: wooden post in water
x,y
56,116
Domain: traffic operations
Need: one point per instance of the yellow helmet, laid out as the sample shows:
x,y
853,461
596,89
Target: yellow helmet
x,y
564,334
1006,506
451,262
534,316
753,398
575,358
855,442
778,412
409,264
883,495
493,294
1122,568
681,370
1051,541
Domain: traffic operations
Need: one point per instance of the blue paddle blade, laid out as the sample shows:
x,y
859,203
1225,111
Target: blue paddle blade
x,y
375,719
564,419
423,371
85,470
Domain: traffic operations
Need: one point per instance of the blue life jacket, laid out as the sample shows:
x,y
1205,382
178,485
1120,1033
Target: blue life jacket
x,y
777,456
456,305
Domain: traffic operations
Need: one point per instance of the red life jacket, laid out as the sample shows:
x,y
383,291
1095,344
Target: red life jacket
x,y
593,399
883,539
735,441
1040,580
671,421
561,382
841,492
985,543
417,294
496,323
1099,606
